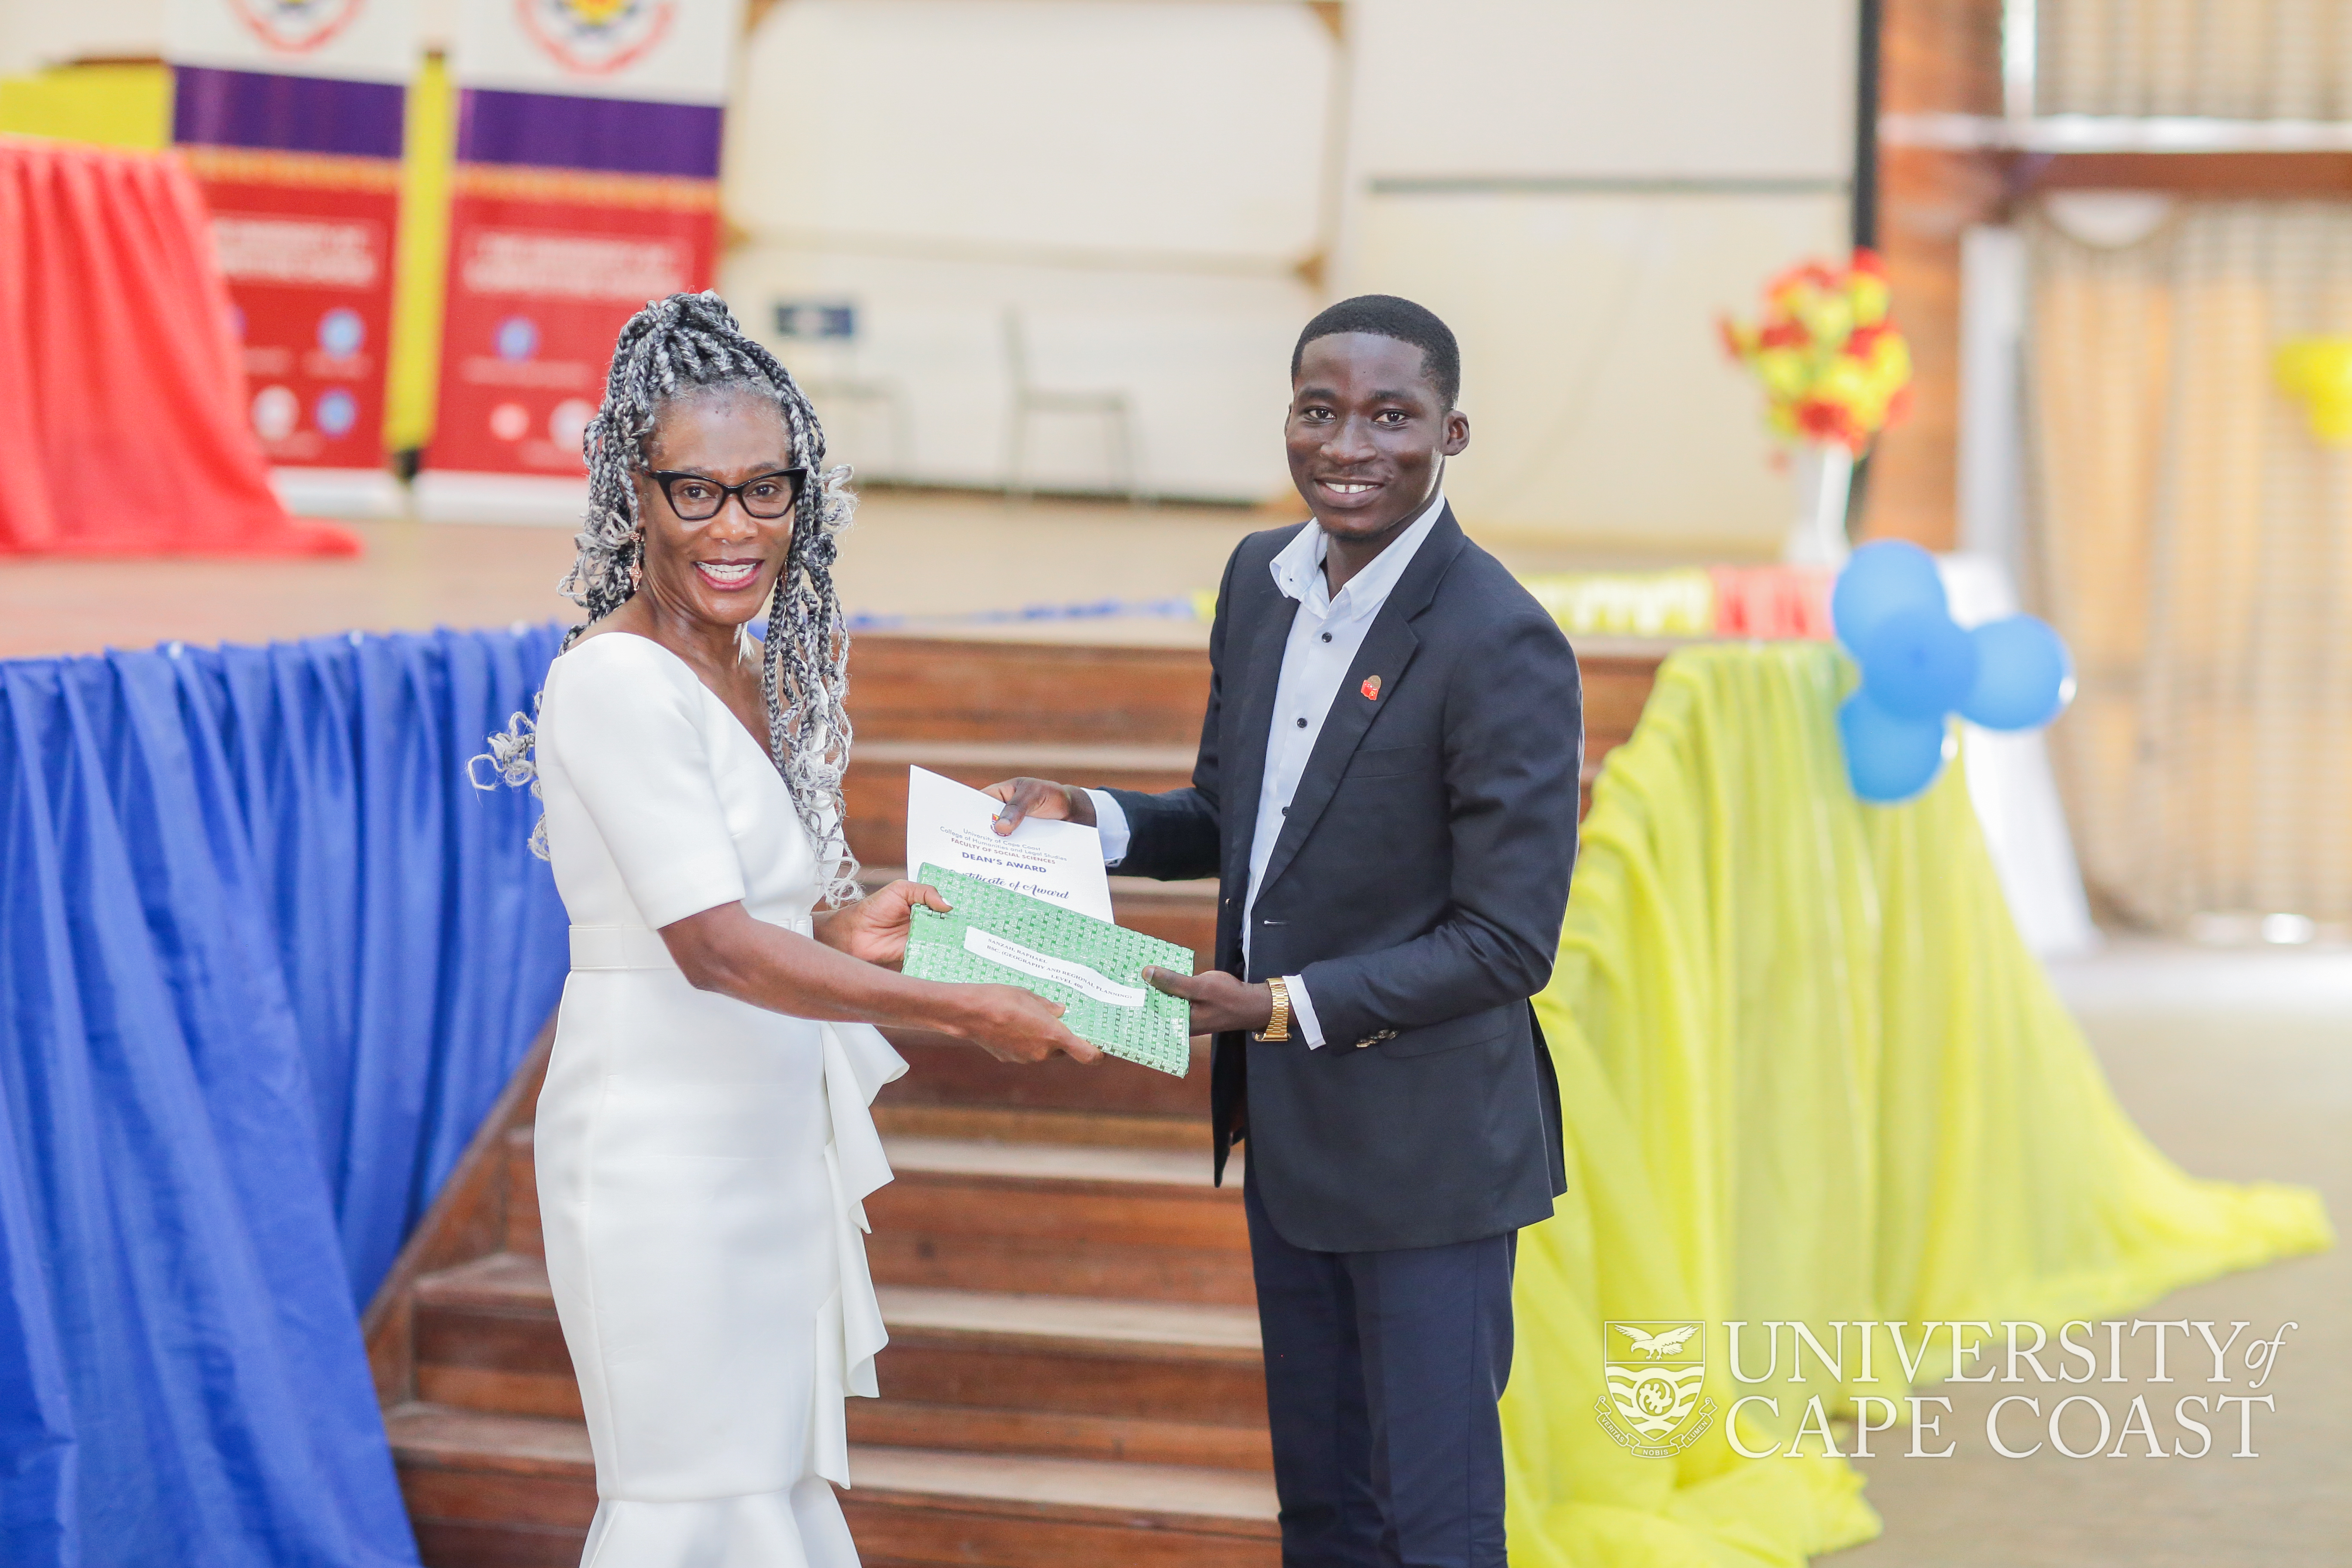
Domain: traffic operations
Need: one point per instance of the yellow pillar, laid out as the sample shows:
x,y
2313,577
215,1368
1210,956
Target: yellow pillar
x,y
420,274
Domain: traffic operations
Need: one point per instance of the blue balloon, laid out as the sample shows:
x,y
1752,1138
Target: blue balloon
x,y
2023,675
1915,664
1888,758
1883,578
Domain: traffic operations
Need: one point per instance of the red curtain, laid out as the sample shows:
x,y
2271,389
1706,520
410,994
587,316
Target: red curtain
x,y
122,418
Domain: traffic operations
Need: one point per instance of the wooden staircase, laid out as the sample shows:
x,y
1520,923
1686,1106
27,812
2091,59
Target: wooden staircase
x,y
1073,1376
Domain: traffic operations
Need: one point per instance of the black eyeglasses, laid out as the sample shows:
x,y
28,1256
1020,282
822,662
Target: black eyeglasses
x,y
767,497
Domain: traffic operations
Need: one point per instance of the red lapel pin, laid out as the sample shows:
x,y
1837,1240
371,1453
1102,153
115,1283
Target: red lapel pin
x,y
1370,689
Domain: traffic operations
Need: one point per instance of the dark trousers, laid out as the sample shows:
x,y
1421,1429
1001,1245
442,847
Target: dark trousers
x,y
1383,1371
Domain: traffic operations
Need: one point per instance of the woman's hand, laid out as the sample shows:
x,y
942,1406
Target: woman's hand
x,y
1016,1026
874,927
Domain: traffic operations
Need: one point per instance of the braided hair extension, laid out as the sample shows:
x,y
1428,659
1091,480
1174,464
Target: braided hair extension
x,y
677,347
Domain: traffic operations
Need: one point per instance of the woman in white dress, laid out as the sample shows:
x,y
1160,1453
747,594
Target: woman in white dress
x,y
703,1140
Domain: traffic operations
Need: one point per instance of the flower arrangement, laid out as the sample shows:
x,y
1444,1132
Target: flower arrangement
x,y
1834,368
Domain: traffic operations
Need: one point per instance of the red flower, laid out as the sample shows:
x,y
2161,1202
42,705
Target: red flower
x,y
1783,335
1803,275
1830,422
1859,341
1868,261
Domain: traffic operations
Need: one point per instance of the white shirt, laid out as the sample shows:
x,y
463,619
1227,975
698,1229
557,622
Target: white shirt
x,y
1325,636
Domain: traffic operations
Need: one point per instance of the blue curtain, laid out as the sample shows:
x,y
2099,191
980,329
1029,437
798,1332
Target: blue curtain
x,y
266,959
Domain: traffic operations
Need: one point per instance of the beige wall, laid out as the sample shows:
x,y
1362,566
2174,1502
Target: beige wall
x,y
36,34
1602,410
1603,87
1579,188
1139,181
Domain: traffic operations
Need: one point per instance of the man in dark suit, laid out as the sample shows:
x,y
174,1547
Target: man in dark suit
x,y
1387,793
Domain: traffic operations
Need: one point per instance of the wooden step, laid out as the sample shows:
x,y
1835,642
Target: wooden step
x,y
493,1491
1061,1435
522,1232
910,688
1017,697
1120,1224
487,1338
913,1124
1155,1361
1182,912
936,689
915,1506
992,1124
486,1489
944,1071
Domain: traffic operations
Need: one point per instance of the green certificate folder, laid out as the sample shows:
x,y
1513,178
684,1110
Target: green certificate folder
x,y
1093,968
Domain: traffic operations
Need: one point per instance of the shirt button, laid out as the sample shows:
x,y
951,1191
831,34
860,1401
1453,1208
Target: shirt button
x,y
1327,636
1302,723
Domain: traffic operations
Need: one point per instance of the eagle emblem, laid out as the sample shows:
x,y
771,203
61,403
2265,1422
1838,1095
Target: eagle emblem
x,y
1658,1344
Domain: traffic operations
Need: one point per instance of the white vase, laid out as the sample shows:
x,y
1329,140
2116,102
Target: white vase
x,y
1823,476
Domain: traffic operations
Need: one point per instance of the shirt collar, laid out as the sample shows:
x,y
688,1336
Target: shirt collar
x,y
1298,567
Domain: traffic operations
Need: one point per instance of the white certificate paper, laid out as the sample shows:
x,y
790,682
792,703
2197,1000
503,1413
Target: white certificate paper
x,y
952,825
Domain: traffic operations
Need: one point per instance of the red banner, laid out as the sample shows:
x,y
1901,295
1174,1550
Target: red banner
x,y
545,266
306,243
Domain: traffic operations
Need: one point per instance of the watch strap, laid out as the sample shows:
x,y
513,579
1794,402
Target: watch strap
x,y
1277,1027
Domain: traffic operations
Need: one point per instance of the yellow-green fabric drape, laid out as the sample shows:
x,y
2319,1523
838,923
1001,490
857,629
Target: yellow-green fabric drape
x,y
1809,1073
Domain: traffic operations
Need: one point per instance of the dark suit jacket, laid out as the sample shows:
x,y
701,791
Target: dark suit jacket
x,y
1417,888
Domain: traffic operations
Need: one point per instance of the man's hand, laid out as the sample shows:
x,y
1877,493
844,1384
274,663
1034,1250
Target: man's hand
x,y
1040,798
874,927
1220,1002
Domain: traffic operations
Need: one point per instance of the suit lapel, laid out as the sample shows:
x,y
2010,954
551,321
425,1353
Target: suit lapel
x,y
1260,676
1387,652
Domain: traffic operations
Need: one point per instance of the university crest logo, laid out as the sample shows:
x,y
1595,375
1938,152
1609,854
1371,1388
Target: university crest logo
x,y
596,37
296,26
1654,1370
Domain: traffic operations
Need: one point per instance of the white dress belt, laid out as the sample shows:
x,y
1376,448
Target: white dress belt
x,y
639,947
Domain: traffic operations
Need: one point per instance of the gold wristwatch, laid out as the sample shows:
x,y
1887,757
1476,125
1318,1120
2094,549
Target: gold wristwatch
x,y
1277,1027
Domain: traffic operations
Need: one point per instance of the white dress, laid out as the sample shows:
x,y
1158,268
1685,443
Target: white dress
x,y
701,1162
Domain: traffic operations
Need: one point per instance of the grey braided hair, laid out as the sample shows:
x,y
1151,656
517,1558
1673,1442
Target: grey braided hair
x,y
673,348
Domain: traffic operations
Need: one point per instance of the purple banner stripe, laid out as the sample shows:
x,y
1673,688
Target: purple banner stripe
x,y
292,113
614,135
